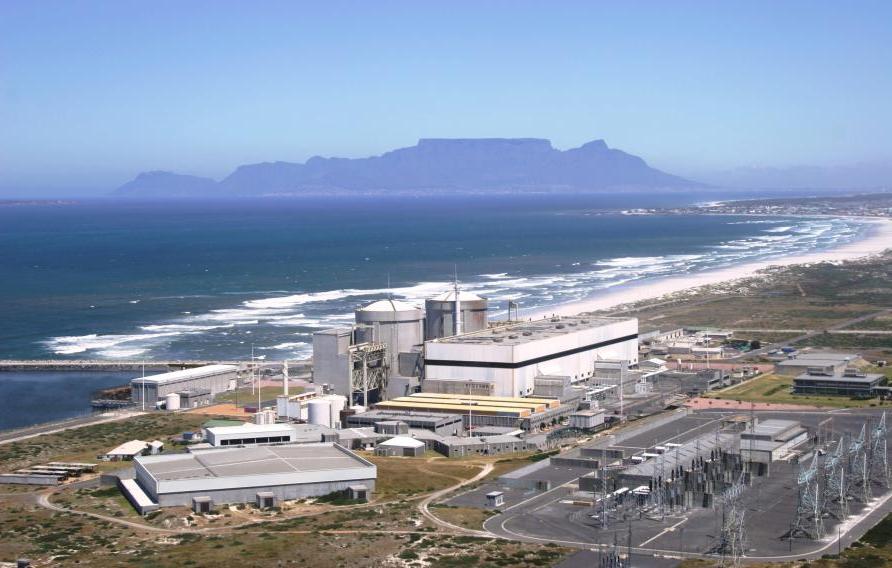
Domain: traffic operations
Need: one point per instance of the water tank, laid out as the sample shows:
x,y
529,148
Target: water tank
x,y
172,401
440,314
319,412
397,324
338,403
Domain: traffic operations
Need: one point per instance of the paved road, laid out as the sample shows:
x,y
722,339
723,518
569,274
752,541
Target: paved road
x,y
425,504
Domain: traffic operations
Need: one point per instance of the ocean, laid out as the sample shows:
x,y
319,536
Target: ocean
x,y
209,280
35,397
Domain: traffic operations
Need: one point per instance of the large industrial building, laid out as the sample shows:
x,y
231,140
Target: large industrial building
x,y
362,361
238,475
765,441
511,412
850,382
816,361
507,360
185,383
442,424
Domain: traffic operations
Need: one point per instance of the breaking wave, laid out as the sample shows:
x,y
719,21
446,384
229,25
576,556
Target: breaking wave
x,y
281,323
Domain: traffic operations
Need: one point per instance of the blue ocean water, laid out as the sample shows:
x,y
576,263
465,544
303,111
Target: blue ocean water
x,y
105,279
34,397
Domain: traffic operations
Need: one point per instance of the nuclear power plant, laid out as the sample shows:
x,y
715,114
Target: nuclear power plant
x,y
395,349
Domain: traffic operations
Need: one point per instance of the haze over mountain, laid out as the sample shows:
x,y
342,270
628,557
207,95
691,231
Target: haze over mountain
x,y
433,165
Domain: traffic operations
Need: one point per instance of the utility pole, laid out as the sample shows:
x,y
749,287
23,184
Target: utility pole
x,y
143,385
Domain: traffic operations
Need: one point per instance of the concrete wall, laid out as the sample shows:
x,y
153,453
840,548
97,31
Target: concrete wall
x,y
249,494
331,364
521,381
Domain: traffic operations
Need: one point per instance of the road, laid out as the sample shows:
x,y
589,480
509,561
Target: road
x,y
502,526
808,334
425,504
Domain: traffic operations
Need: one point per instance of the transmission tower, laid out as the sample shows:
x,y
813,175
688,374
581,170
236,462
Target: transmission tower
x,y
834,497
808,522
731,543
878,472
858,484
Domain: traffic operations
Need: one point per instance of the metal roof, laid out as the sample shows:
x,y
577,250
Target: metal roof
x,y
463,296
526,332
131,448
866,379
402,442
389,305
186,374
250,428
251,461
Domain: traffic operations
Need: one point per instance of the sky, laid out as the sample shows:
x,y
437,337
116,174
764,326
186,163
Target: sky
x,y
92,93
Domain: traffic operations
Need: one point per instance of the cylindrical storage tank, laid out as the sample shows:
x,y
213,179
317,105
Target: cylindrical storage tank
x,y
319,412
399,325
338,403
440,314
172,401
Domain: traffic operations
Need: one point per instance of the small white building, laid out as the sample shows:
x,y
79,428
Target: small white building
x,y
401,446
127,451
587,419
249,434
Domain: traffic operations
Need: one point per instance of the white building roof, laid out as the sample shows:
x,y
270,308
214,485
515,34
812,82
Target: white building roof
x,y
186,374
256,466
531,331
463,296
389,305
250,427
131,448
403,442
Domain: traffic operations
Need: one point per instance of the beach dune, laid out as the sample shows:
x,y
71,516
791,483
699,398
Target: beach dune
x,y
877,239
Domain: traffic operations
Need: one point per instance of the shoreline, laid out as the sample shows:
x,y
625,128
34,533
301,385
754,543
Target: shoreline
x,y
876,240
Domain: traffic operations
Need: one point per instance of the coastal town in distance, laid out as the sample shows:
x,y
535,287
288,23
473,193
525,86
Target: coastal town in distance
x,y
445,284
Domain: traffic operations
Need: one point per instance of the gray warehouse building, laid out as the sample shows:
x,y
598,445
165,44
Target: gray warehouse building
x,y
849,383
816,361
442,424
211,378
238,475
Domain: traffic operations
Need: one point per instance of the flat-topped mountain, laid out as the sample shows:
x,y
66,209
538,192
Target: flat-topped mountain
x,y
432,165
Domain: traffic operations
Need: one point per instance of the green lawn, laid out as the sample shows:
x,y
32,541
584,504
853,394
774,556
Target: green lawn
x,y
776,389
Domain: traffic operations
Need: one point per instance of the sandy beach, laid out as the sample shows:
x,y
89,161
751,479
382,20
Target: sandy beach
x,y
877,239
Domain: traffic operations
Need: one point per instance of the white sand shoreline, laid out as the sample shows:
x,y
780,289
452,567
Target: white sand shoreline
x,y
877,240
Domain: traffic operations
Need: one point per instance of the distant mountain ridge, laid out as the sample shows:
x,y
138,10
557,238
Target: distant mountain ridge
x,y
432,165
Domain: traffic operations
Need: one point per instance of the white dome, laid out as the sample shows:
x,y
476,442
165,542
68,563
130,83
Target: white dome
x,y
389,305
462,297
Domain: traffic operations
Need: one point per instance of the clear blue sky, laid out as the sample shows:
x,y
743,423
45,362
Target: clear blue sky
x,y
93,92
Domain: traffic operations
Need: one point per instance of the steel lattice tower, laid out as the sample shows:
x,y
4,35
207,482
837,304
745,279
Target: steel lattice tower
x,y
809,522
834,496
878,471
731,543
858,484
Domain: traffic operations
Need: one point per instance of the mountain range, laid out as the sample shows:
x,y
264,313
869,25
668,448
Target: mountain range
x,y
432,165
